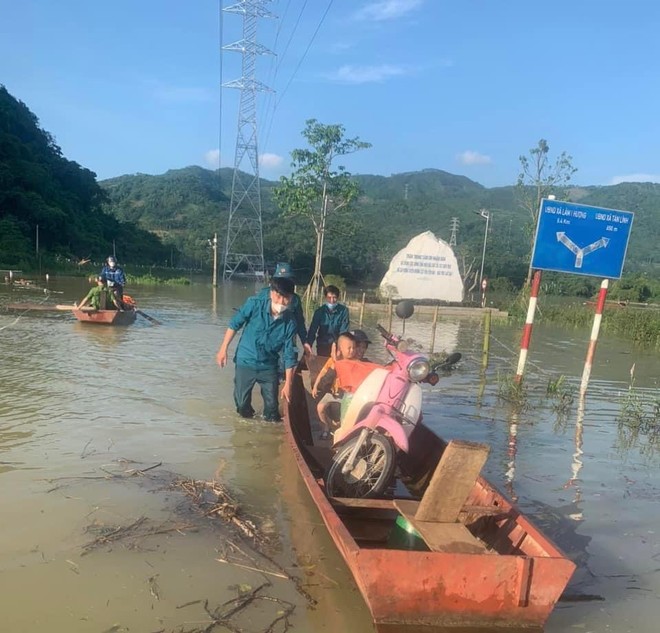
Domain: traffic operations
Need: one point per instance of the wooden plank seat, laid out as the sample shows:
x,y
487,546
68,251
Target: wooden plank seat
x,y
435,517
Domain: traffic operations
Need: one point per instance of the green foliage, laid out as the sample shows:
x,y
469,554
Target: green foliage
x,y
569,285
639,418
40,188
185,207
314,190
335,280
638,288
512,391
641,325
151,280
539,178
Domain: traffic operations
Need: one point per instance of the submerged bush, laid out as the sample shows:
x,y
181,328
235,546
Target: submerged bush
x,y
150,280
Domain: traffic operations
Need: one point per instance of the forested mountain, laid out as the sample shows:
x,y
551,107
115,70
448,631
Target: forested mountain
x,y
40,188
169,219
188,205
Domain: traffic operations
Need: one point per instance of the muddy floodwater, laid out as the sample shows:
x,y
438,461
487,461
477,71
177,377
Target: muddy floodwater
x,y
99,427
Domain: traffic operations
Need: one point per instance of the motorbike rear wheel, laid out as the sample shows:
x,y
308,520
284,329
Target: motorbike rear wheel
x,y
374,467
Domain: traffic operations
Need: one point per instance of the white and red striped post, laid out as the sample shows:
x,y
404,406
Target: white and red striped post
x,y
529,322
591,351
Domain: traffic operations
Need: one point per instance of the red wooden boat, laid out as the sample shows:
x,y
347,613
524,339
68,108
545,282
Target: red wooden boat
x,y
105,317
488,567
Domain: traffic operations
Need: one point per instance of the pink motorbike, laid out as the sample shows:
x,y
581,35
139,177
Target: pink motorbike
x,y
378,422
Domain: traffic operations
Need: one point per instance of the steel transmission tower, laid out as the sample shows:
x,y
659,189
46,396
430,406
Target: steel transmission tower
x,y
455,223
244,247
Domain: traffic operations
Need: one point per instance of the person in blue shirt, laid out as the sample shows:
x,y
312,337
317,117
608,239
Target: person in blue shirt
x,y
283,271
328,322
114,278
269,330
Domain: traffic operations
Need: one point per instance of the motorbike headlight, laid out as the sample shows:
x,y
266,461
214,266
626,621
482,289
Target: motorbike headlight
x,y
418,370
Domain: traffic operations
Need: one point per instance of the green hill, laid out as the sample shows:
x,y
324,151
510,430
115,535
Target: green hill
x,y
186,206
43,192
171,217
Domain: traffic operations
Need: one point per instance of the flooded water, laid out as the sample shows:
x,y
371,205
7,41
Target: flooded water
x,y
85,411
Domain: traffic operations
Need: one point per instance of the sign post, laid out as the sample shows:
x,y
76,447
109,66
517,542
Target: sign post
x,y
580,240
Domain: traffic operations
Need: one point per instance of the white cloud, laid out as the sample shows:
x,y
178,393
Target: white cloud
x,y
617,180
469,157
212,158
270,161
387,9
366,74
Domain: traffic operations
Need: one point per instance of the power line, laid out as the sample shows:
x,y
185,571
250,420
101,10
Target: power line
x,y
277,68
302,59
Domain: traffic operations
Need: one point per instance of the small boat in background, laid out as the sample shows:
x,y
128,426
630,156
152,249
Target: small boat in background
x,y
105,317
89,314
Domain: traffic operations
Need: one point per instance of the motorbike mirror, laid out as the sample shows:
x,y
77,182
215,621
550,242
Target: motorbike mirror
x,y
404,309
448,362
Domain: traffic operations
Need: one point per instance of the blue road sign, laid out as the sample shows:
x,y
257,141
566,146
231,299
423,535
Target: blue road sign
x,y
583,240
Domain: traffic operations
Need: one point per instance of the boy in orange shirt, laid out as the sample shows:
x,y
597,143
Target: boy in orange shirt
x,y
348,370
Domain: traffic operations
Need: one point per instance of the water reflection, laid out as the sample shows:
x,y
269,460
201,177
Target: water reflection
x,y
74,399
576,464
512,450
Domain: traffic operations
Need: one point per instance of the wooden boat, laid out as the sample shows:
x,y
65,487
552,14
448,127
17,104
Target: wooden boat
x,y
479,561
105,317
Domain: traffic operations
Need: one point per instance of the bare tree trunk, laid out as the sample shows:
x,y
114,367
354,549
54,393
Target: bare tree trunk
x,y
320,238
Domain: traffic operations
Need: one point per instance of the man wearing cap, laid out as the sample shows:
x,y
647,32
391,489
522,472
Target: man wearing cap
x,y
115,279
283,271
269,330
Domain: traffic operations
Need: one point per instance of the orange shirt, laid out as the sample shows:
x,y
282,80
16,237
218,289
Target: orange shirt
x,y
351,373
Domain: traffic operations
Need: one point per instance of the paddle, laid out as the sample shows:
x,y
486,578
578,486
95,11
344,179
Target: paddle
x,y
148,318
43,306
68,307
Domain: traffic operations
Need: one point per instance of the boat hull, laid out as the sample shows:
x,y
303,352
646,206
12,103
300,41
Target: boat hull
x,y
105,317
515,582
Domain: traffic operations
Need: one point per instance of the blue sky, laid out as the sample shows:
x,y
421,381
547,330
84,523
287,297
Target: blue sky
x,y
465,85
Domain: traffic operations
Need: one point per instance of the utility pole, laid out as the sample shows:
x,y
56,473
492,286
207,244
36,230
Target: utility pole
x,y
244,245
484,213
215,260
37,246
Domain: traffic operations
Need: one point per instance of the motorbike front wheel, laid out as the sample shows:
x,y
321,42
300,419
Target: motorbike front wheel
x,y
371,475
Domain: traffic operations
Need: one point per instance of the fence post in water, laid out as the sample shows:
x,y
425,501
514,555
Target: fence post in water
x,y
598,317
486,350
364,295
389,314
527,329
433,326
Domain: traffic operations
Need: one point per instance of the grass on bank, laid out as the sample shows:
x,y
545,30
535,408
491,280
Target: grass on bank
x,y
641,325
151,280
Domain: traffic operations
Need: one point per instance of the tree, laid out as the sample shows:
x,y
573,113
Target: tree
x,y
316,191
540,178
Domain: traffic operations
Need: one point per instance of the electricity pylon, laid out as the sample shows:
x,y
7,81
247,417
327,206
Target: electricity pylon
x,y
244,248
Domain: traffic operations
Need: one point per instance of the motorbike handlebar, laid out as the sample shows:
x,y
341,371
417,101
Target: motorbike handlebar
x,y
383,332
